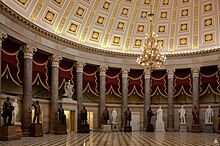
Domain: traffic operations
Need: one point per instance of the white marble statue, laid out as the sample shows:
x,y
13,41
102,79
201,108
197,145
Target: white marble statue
x,y
68,88
182,114
15,111
114,116
159,114
208,115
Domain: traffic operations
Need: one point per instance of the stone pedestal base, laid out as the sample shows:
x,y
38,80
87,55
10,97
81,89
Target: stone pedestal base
x,y
18,131
84,128
8,133
127,129
209,128
106,128
159,126
196,128
115,127
183,128
60,129
150,128
36,130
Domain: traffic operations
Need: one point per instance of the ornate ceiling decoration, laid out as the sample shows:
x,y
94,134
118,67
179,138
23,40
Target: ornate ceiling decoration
x,y
121,25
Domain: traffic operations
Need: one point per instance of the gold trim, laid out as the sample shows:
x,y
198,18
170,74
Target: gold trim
x,y
195,35
37,9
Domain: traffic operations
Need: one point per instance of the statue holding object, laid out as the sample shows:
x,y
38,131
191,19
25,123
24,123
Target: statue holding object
x,y
7,112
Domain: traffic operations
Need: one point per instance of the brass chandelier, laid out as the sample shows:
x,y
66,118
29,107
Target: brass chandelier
x,y
151,57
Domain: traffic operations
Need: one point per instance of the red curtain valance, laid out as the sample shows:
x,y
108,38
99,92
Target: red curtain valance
x,y
113,81
159,83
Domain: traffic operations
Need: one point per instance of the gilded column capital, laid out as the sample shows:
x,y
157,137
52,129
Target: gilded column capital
x,y
55,60
79,66
3,36
125,72
28,51
102,70
170,73
147,74
195,71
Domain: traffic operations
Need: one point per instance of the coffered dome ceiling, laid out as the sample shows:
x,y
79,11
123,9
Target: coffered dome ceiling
x,y
121,25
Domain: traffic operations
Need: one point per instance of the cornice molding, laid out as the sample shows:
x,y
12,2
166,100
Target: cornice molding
x,y
5,10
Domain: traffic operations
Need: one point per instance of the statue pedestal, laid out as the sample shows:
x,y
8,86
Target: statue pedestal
x,y
196,128
127,129
150,128
106,128
8,133
115,127
159,126
18,130
36,130
183,128
84,128
60,129
209,128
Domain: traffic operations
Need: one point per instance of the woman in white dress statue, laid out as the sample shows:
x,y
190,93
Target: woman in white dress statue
x,y
15,111
114,116
159,114
182,114
68,88
208,115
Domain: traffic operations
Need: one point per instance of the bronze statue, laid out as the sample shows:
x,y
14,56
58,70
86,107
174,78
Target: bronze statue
x,y
127,114
149,116
106,115
7,111
37,112
83,116
62,116
195,113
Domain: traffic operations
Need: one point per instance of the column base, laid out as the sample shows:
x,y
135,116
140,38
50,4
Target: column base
x,y
209,128
196,128
150,128
18,131
8,133
170,129
36,130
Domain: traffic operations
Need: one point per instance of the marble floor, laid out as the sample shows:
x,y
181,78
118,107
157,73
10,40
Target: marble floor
x,y
118,139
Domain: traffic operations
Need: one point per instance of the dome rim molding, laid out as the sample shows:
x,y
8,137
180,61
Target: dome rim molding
x,y
5,10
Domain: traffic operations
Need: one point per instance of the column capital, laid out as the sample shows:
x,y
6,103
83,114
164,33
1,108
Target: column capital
x,y
170,73
79,66
55,60
102,70
195,71
28,51
3,36
125,72
147,74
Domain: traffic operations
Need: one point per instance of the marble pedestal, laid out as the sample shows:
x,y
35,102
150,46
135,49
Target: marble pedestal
x,y
115,127
36,130
183,128
196,128
84,128
8,133
209,128
159,126
150,128
60,129
127,129
106,128
18,130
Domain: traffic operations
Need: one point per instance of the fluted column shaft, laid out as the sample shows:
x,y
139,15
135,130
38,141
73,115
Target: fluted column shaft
x,y
79,90
195,75
170,111
55,59
102,70
124,94
3,36
27,88
147,100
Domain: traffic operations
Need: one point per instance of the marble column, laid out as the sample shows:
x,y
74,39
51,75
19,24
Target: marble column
x,y
27,88
147,100
124,105
79,90
3,36
170,111
102,71
195,75
55,60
